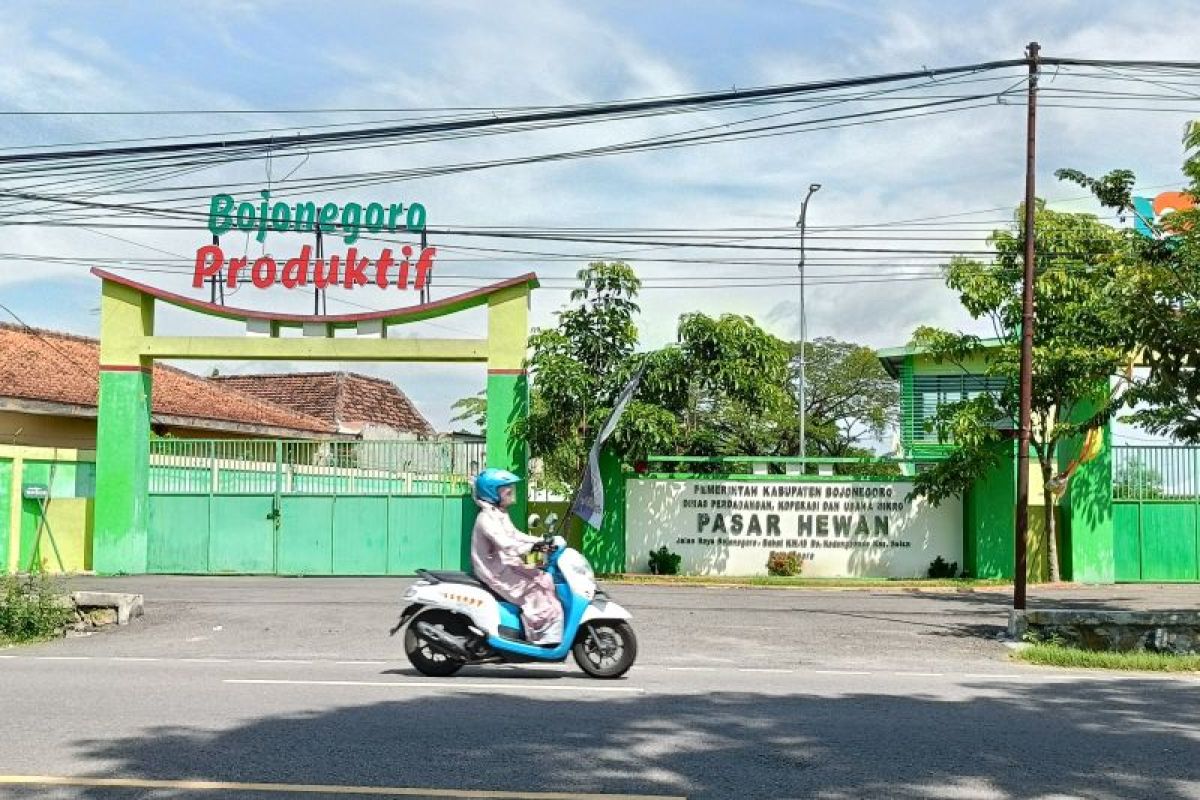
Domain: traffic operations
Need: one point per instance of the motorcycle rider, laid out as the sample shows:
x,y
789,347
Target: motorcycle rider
x,y
497,548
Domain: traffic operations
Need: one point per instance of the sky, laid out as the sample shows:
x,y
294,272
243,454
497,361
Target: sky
x,y
240,56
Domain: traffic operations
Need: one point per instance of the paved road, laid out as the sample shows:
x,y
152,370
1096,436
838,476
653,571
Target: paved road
x,y
738,694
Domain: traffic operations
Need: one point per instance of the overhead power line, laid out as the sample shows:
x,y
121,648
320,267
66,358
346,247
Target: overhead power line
x,y
592,111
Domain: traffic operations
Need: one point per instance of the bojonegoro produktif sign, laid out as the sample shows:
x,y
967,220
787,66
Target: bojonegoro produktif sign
x,y
402,269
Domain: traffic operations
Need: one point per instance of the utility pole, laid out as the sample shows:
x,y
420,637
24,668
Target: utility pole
x,y
1027,317
812,188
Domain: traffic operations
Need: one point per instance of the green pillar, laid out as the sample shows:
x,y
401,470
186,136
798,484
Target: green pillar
x,y
508,389
508,405
1088,537
123,433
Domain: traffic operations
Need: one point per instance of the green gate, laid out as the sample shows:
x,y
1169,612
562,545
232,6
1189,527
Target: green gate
x,y
309,508
1156,513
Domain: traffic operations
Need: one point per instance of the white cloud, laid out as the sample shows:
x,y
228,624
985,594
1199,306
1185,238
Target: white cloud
x,y
551,53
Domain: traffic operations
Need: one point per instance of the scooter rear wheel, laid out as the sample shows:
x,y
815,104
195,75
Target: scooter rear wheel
x,y
605,648
424,657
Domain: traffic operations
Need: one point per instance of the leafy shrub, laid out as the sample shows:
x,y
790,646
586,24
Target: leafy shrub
x,y
783,563
664,562
939,568
31,608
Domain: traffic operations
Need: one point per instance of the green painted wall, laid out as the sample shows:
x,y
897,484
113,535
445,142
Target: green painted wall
x,y
605,548
122,475
1086,510
63,541
6,474
508,405
989,509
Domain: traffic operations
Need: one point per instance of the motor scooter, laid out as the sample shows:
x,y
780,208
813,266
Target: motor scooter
x,y
453,619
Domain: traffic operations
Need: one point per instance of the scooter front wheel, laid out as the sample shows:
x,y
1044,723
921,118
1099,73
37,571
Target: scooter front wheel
x,y
424,657
605,648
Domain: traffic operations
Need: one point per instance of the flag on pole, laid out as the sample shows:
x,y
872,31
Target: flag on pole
x,y
589,499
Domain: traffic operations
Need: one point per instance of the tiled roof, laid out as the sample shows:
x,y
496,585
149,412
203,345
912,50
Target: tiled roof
x,y
345,399
53,367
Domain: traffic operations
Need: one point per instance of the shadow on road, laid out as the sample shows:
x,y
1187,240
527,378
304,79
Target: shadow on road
x,y
494,673
1135,738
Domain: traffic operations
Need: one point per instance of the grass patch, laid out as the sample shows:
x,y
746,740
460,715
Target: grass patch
x,y
799,581
31,609
1054,655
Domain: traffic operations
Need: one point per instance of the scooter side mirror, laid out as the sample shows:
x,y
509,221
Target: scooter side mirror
x,y
534,521
551,521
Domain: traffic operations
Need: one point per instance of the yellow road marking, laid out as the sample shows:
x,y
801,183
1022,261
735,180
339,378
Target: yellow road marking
x,y
302,788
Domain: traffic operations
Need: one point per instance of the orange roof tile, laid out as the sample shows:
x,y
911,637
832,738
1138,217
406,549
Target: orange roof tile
x,y
55,367
339,398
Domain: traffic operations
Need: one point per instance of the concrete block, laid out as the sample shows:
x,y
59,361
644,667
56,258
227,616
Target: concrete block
x,y
1101,629
371,329
126,605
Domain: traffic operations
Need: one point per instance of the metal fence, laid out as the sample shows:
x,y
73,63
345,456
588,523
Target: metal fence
x,y
785,467
1155,472
273,466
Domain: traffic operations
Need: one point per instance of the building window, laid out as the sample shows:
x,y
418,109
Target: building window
x,y
931,392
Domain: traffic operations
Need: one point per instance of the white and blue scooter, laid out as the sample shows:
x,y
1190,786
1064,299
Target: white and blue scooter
x,y
454,620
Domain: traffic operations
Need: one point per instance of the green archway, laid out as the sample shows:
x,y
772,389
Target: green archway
x,y
129,347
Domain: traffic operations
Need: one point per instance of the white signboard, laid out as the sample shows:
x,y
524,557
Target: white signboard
x,y
838,530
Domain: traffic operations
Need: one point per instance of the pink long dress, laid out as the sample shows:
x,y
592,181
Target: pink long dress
x,y
497,548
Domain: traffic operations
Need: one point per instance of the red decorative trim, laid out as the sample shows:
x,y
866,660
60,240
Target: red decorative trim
x,y
123,368
445,305
506,372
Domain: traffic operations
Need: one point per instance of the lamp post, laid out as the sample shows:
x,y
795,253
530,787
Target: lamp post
x,y
803,328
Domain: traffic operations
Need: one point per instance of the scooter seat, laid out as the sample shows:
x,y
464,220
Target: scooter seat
x,y
464,578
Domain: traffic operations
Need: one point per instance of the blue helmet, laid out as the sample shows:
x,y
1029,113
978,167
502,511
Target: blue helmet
x,y
489,482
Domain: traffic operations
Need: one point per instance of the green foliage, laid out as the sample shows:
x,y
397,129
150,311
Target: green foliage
x,y
940,568
664,562
1081,339
31,608
783,564
1159,293
849,397
471,409
717,391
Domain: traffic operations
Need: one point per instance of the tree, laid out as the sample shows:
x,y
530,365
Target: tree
x,y
719,390
1081,340
722,388
578,367
849,397
1137,480
471,409
1161,299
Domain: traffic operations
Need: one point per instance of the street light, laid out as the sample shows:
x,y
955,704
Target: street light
x,y
803,328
